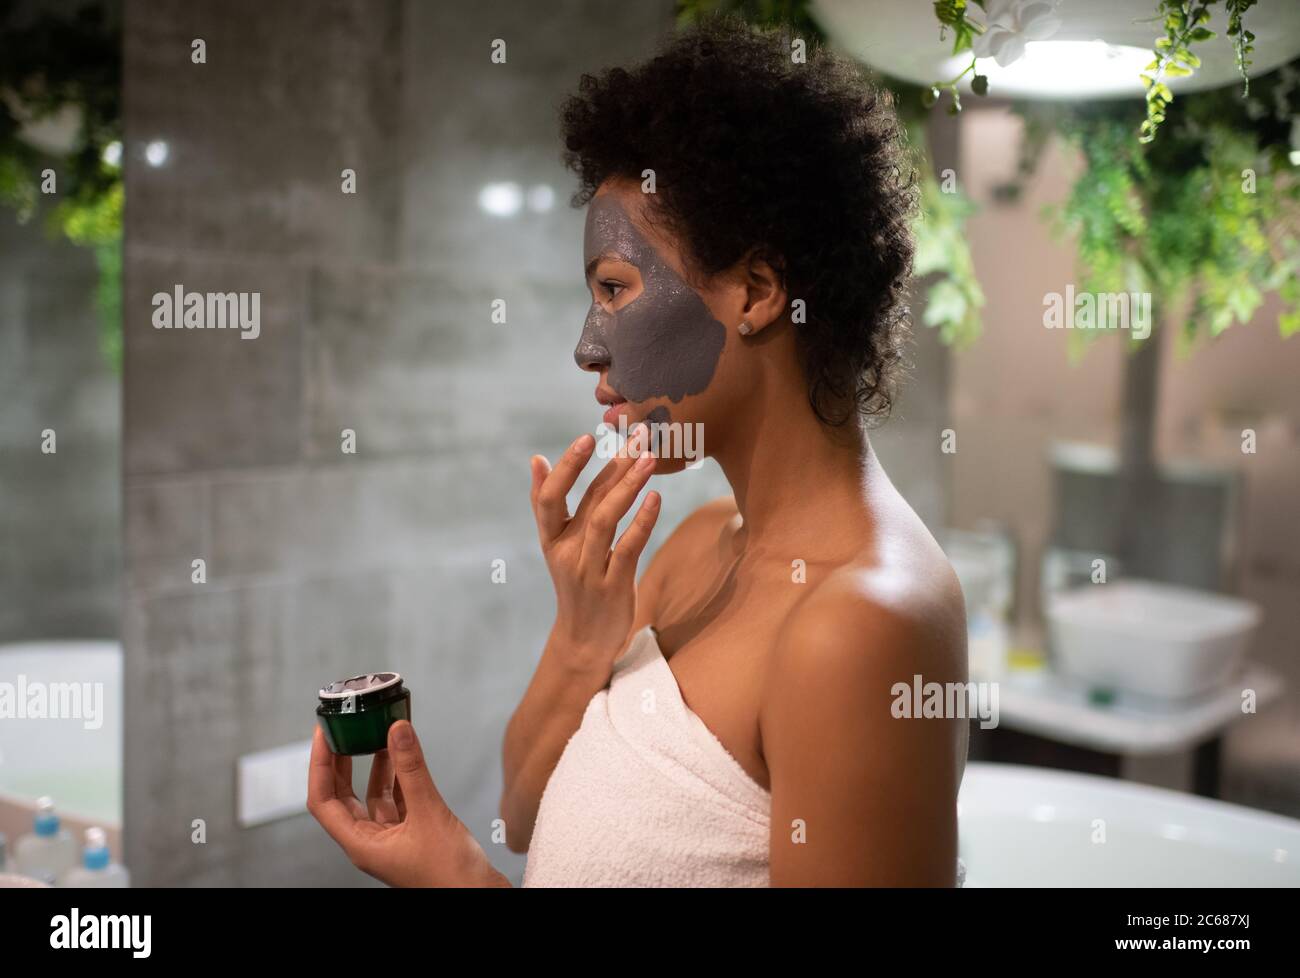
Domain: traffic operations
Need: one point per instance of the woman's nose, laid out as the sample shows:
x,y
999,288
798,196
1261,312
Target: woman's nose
x,y
590,356
592,353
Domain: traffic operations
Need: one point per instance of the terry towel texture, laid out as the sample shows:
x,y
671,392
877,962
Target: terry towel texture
x,y
645,795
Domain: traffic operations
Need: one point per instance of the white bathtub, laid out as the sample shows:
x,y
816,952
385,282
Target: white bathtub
x,y
1027,826
77,761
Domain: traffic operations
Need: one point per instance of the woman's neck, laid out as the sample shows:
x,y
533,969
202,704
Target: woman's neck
x,y
800,484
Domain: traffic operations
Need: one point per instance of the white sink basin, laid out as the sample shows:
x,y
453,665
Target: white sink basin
x,y
1151,639
1027,826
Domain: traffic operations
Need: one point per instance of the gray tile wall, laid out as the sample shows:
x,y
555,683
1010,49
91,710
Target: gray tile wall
x,y
60,514
375,317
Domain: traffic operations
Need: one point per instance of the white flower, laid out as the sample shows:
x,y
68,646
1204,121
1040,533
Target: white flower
x,y
1011,23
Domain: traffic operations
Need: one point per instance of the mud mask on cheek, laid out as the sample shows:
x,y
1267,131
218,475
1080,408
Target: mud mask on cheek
x,y
665,342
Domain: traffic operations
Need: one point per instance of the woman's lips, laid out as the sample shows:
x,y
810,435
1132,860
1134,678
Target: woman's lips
x,y
612,412
615,404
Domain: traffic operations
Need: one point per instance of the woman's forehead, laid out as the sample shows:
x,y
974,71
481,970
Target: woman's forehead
x,y
620,225
610,232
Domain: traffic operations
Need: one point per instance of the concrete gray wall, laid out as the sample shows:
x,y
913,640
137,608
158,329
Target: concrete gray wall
x,y
60,522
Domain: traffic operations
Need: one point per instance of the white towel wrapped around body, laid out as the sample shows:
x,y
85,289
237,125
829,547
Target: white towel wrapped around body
x,y
645,795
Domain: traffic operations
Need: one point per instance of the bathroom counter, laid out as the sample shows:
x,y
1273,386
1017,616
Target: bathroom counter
x,y
1048,720
1046,704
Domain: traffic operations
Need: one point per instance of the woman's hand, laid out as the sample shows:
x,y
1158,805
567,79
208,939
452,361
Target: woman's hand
x,y
595,587
405,835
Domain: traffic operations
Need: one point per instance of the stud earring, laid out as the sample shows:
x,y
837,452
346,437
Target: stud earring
x,y
745,328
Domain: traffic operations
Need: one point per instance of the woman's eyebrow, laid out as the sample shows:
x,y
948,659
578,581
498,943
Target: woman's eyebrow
x,y
607,255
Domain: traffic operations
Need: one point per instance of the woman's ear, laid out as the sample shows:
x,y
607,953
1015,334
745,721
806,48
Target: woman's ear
x,y
765,295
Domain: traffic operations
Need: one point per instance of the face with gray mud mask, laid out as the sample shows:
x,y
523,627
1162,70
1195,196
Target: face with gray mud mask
x,y
665,342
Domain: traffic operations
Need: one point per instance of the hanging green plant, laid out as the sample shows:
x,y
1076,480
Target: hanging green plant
x,y
1210,213
952,17
954,303
1243,41
60,130
1185,24
1010,24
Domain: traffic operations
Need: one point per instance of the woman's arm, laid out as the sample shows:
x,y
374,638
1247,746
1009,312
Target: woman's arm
x,y
860,796
596,609
547,716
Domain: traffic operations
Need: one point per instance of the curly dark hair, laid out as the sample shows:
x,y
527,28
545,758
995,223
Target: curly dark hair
x,y
802,163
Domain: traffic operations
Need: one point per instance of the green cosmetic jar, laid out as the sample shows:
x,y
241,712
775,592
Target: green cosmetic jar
x,y
355,713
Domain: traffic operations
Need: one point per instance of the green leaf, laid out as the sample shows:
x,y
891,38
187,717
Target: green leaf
x,y
945,302
1243,300
950,12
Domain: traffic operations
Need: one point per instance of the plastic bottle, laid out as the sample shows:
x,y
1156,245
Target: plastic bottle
x,y
97,868
48,850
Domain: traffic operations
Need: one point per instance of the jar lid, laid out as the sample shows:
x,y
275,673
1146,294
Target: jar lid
x,y
363,685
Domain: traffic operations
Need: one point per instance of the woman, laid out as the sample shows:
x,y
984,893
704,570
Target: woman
x,y
729,720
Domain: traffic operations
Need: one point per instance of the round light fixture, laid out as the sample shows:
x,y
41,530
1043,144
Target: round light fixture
x,y
1097,50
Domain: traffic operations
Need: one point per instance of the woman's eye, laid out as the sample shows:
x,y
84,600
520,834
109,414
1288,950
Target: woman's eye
x,y
612,289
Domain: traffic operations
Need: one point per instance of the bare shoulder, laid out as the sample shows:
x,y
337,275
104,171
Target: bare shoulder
x,y
880,790
871,622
